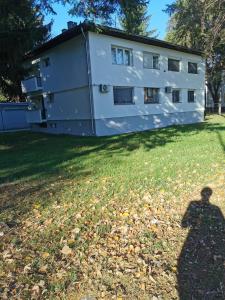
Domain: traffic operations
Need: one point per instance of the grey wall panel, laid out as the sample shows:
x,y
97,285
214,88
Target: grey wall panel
x,y
73,127
69,105
113,126
68,66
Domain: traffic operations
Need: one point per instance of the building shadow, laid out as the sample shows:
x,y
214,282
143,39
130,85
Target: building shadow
x,y
201,264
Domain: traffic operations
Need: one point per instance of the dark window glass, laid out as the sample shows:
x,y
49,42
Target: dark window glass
x,y
191,96
192,68
173,65
47,62
151,95
176,96
123,95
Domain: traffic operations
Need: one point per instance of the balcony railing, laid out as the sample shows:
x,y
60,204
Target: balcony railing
x,y
32,84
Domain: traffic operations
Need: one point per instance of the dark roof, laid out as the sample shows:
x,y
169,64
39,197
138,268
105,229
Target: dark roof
x,y
87,26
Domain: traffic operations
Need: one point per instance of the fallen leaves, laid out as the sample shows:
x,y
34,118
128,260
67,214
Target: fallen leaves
x,y
66,250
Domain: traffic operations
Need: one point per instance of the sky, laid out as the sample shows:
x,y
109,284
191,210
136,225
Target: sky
x,y
158,21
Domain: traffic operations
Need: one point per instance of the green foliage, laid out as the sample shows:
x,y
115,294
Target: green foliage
x,y
21,29
132,14
201,25
2,98
134,18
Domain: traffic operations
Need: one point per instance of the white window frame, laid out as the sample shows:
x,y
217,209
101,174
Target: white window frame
x,y
194,96
152,57
174,58
125,87
151,102
118,48
180,96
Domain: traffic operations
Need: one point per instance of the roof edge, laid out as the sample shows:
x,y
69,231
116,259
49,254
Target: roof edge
x,y
106,30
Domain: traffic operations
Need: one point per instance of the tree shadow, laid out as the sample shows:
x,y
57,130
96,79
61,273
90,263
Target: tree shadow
x,y
30,155
201,269
30,163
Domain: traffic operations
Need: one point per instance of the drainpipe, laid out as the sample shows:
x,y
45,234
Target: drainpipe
x,y
89,81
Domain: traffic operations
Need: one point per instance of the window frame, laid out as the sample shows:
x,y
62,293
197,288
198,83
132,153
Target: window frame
x,y
174,59
146,96
152,60
124,49
124,87
194,96
192,62
179,90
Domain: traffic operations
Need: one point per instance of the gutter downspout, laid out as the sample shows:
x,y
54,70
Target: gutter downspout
x,y
89,81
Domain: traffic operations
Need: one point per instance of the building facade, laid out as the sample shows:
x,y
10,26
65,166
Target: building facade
x,y
101,81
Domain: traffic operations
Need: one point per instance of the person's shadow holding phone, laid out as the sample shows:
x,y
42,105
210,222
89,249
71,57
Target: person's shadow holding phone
x,y
201,264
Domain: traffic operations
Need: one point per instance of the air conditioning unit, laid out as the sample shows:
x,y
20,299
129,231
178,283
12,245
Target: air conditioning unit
x,y
103,88
168,89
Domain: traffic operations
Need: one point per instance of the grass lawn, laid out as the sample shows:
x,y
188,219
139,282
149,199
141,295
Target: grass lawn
x,y
110,217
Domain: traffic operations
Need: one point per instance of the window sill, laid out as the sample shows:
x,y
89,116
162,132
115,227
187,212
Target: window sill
x,y
122,65
177,102
147,103
174,71
193,73
124,104
158,69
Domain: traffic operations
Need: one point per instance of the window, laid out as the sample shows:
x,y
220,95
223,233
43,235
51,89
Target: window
x,y
173,65
121,56
123,95
151,95
176,96
191,96
46,62
192,68
150,60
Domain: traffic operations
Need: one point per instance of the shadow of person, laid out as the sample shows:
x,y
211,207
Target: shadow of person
x,y
201,269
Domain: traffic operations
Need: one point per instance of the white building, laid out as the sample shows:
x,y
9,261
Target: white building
x,y
102,81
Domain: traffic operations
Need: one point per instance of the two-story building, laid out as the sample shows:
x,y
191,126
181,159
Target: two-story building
x,y
96,80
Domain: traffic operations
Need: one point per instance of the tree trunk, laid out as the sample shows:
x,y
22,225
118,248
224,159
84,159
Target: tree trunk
x,y
216,96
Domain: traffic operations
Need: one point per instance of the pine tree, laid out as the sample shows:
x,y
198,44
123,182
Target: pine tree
x,y
21,29
132,14
134,17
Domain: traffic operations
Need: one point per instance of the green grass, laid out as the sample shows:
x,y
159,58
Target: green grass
x,y
50,185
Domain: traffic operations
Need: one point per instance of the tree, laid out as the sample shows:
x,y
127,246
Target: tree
x,y
134,17
21,29
201,24
131,13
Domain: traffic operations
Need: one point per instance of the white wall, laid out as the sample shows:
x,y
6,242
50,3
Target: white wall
x,y
104,72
